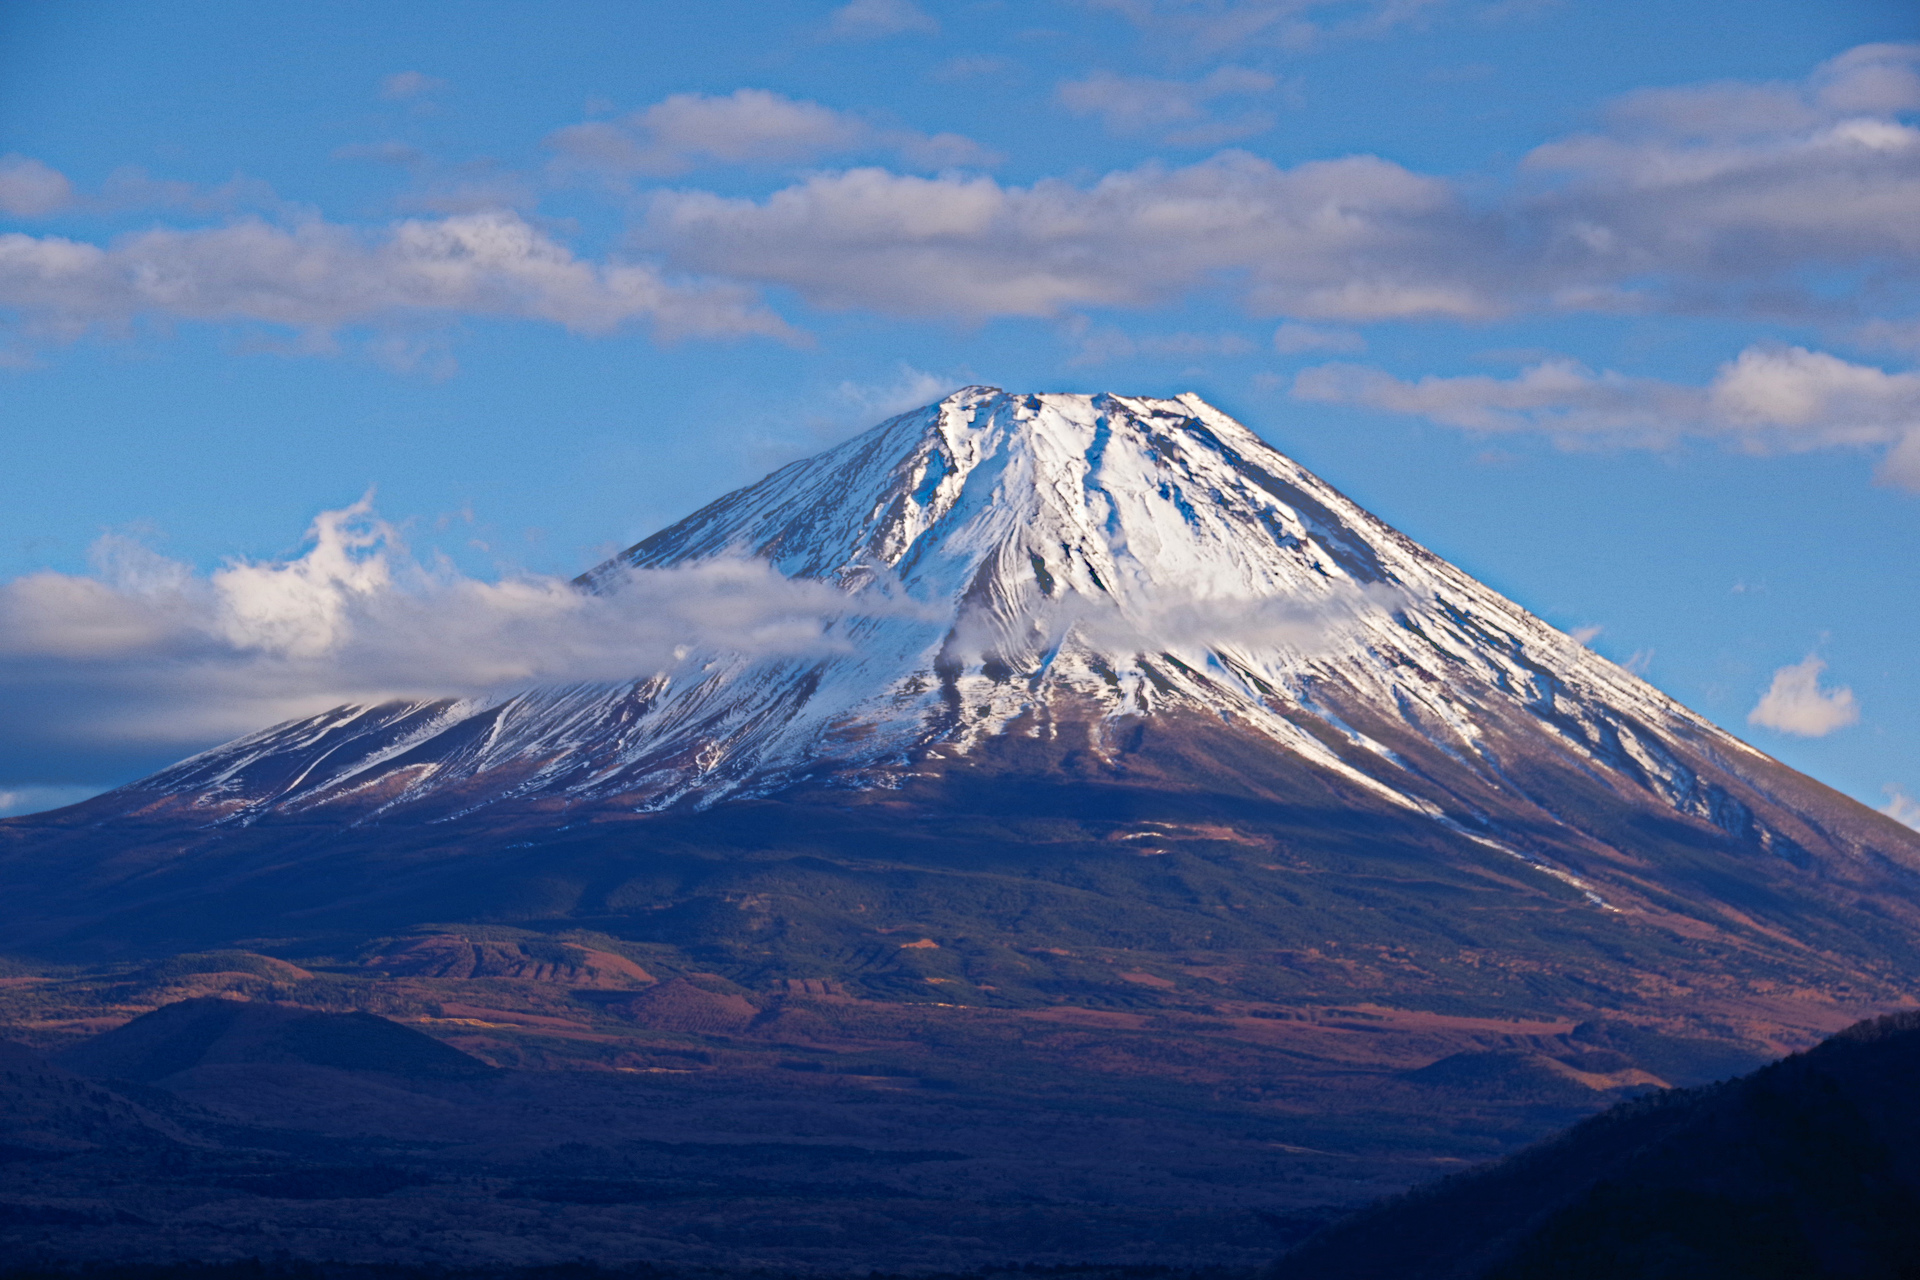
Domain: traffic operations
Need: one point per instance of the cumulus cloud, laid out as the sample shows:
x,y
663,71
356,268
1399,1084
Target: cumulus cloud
x,y
1178,110
1359,238
1748,200
1736,200
1737,191
746,127
1795,703
1767,400
317,276
30,189
874,19
144,658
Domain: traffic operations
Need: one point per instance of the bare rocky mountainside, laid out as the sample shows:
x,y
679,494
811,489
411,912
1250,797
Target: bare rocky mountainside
x,y
1139,786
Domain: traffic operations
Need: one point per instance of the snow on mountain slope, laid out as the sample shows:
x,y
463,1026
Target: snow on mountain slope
x,y
1039,564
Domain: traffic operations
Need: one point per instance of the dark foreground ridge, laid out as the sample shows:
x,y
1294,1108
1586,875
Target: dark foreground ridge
x,y
218,1131
1809,1167
282,1269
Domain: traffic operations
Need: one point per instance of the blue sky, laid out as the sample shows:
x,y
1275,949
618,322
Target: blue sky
x,y
1612,304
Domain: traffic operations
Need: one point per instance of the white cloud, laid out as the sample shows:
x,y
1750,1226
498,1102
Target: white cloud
x,y
1795,703
1585,635
1766,400
1900,468
1359,238
404,85
317,276
1731,200
1902,807
1743,200
1176,109
32,799
1735,192
1560,398
815,418
1795,398
145,660
910,388
29,189
747,126
145,655
873,19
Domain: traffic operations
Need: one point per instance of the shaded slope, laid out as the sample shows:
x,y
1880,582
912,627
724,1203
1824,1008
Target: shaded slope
x,y
1186,839
211,1031
1808,1167
48,1112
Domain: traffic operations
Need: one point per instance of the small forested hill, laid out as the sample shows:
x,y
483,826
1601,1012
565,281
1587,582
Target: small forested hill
x,y
1808,1167
190,1033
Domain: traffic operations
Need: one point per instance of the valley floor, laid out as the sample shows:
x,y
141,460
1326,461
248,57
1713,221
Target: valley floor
x,y
690,1123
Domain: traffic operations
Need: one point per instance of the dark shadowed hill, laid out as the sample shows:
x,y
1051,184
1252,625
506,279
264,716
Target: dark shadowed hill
x,y
48,1113
1809,1167
210,1031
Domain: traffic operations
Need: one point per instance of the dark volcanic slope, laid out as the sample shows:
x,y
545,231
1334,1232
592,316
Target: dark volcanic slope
x,y
47,1113
209,1030
1809,1167
1203,856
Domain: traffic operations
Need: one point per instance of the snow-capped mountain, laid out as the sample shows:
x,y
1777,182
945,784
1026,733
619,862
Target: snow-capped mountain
x,y
1065,630
1120,737
1040,564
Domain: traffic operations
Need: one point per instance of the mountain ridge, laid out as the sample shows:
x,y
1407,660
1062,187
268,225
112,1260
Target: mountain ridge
x,y
1103,627
1149,780
996,607
1801,1168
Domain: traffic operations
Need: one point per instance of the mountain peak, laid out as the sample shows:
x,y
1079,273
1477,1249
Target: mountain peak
x,y
1058,634
1099,493
1036,563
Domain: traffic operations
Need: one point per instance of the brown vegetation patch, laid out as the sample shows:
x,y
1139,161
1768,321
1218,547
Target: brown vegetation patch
x,y
679,1005
564,964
